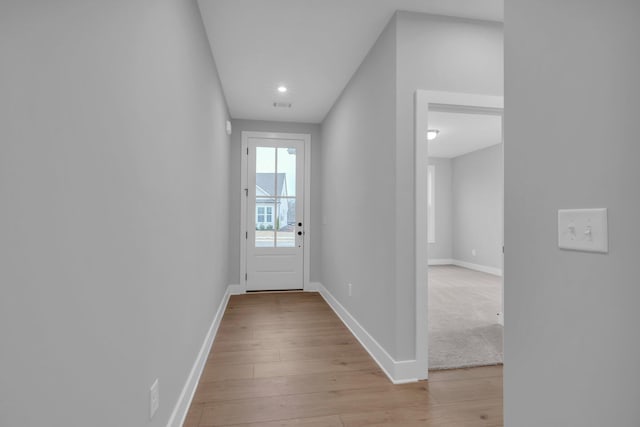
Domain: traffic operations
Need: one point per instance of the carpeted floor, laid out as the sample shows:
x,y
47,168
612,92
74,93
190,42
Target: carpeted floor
x,y
463,327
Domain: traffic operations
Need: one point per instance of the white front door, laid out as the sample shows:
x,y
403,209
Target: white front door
x,y
274,236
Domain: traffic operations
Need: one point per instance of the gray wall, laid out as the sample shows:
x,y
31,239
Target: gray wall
x,y
358,187
441,248
434,53
571,326
477,207
313,222
113,248
367,161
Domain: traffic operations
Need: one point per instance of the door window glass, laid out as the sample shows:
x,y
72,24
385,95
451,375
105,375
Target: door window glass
x,y
275,197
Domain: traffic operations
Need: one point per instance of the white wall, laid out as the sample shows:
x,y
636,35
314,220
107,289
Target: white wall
x,y
313,226
358,193
571,326
441,249
477,207
113,248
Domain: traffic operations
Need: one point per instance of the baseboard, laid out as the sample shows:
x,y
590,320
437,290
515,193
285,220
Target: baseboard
x,y
443,261
399,372
184,401
469,265
478,267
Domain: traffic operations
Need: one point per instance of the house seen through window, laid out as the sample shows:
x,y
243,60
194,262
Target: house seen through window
x,y
265,215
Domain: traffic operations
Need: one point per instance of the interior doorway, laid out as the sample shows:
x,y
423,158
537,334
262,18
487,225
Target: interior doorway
x,y
428,104
465,229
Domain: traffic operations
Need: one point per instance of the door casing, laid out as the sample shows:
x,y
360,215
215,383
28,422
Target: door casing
x,y
245,135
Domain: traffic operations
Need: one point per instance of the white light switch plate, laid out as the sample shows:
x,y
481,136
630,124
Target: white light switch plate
x,y
583,230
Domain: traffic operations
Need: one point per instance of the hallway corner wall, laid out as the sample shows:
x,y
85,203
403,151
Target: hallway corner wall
x,y
368,171
437,53
358,187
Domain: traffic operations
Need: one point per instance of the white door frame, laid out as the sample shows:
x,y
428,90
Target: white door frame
x,y
306,206
422,100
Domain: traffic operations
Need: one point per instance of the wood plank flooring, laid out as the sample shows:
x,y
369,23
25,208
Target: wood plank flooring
x,y
285,359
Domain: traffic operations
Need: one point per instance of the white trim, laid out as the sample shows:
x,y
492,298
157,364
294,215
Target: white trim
x,y
441,261
422,99
306,238
421,241
244,187
398,372
478,267
186,396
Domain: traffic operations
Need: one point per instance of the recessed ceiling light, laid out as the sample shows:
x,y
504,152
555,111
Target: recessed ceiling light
x,y
432,134
282,89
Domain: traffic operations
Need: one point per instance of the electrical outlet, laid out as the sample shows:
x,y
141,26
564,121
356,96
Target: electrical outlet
x,y
154,398
473,252
350,289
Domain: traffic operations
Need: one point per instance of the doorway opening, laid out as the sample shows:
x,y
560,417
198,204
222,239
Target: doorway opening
x,y
454,327
465,229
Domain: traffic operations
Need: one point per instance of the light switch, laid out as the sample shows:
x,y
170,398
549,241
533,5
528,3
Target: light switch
x,y
583,230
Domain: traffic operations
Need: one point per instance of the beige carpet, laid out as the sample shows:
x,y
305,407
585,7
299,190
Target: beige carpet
x,y
463,326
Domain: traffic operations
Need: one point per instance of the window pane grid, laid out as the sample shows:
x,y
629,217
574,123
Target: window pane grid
x,y
275,197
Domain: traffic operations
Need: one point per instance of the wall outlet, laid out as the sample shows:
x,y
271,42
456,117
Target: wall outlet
x,y
154,398
350,286
473,252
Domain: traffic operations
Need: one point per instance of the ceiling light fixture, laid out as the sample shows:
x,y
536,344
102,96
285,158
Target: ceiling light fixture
x,y
282,89
432,134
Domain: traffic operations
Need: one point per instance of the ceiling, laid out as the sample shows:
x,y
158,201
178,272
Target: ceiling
x,y
462,133
311,46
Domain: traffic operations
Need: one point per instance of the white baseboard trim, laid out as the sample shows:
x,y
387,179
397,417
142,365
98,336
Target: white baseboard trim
x,y
399,372
443,261
478,267
186,396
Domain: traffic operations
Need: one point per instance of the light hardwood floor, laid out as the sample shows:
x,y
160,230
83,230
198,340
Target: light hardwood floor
x,y
285,359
